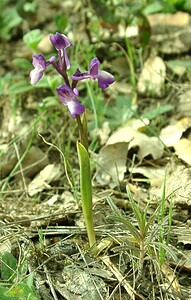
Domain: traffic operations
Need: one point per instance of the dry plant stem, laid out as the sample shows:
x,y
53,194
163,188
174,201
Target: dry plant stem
x,y
49,280
131,292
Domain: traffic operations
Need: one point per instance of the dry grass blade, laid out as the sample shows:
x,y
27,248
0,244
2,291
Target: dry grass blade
x,y
131,292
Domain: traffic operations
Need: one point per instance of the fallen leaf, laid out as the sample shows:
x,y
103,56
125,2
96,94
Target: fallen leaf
x,y
112,163
104,132
138,124
5,246
178,186
184,106
152,77
170,275
171,134
183,150
41,181
150,173
112,157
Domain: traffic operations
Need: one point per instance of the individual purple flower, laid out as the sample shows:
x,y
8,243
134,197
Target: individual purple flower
x,y
68,97
61,42
40,65
104,78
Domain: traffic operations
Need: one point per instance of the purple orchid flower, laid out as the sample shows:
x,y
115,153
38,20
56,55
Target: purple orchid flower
x,y
68,97
104,78
40,64
61,42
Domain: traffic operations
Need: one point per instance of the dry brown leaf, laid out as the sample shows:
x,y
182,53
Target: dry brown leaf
x,y
184,106
112,163
178,186
42,180
147,145
112,158
183,150
121,87
138,124
171,134
152,78
173,281
104,132
5,246
149,172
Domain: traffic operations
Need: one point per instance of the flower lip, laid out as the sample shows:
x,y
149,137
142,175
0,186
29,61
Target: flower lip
x,y
60,41
68,97
40,65
66,94
75,108
105,79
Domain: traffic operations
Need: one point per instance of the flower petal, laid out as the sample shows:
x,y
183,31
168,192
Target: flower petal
x,y
66,59
75,108
105,79
38,60
94,67
35,75
40,65
60,41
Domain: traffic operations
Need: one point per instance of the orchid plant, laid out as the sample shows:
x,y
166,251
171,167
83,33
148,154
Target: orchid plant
x,y
69,96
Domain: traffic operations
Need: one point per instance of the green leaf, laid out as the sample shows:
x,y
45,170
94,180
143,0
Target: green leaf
x,y
23,63
61,22
24,292
159,110
123,220
3,295
129,226
86,191
32,38
20,87
48,82
4,81
123,106
50,101
179,63
8,266
9,19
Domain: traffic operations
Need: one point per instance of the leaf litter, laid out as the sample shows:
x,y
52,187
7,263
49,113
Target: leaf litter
x,y
38,199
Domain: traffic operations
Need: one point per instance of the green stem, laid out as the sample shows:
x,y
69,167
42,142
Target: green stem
x,y
82,127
